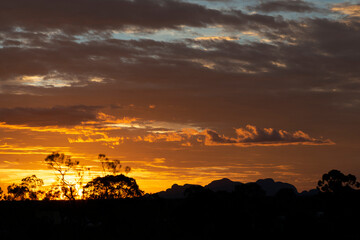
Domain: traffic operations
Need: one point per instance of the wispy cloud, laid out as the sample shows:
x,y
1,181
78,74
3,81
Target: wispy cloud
x,y
29,150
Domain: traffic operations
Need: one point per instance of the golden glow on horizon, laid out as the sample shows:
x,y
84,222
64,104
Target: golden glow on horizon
x,y
154,174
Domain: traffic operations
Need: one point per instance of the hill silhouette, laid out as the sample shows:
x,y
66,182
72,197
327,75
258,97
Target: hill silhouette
x,y
176,191
269,185
224,184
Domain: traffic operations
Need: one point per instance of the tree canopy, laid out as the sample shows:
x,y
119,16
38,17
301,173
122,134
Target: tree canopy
x,y
29,188
112,187
336,182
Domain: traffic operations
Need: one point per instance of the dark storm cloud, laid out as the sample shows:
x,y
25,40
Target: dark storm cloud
x,y
285,6
82,16
57,115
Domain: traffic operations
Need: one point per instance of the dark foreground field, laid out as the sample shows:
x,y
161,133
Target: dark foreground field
x,y
222,216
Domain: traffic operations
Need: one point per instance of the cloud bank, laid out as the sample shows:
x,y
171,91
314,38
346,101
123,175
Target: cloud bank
x,y
82,16
57,115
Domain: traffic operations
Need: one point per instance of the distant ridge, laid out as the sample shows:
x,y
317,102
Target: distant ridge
x,y
224,184
176,191
270,187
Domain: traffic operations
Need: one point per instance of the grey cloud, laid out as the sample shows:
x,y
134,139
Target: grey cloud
x,y
82,16
315,60
319,52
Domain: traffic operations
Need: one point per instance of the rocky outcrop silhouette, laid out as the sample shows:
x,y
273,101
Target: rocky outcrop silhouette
x,y
269,185
224,184
176,191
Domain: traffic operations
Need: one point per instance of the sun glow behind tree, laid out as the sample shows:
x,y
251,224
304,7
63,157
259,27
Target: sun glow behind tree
x,y
71,177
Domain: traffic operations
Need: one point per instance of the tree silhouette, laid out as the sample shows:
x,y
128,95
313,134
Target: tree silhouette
x,y
112,187
16,192
64,167
29,188
111,166
53,193
336,182
33,184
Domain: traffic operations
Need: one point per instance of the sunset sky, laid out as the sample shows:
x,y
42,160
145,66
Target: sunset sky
x,y
181,91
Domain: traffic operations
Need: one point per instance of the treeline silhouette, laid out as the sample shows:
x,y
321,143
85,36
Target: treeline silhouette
x,y
114,208
69,185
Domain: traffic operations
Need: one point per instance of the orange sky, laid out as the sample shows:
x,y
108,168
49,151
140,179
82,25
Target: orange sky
x,y
182,92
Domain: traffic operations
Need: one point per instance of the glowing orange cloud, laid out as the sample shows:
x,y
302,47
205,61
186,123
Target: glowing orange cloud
x,y
89,131
98,132
105,118
167,137
253,136
246,137
351,10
